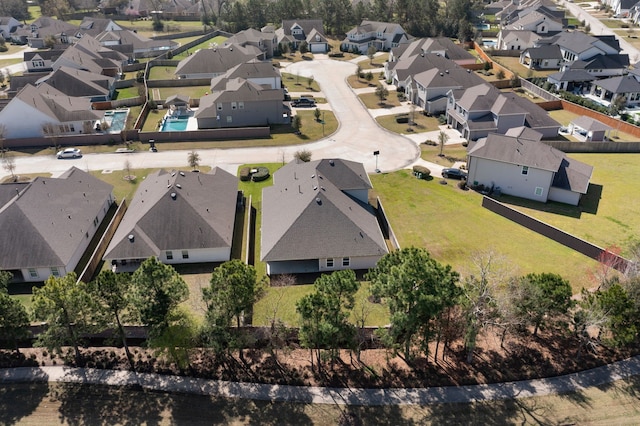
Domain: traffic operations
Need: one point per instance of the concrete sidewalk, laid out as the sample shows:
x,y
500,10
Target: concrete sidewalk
x,y
320,395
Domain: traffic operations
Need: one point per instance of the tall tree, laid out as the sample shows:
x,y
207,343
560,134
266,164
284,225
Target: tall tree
x,y
544,298
417,289
193,158
110,291
442,140
15,8
622,316
256,13
156,291
14,320
68,311
325,313
381,92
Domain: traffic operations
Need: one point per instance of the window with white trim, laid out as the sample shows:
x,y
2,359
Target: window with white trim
x,y
240,105
539,191
37,63
346,261
229,119
55,272
219,106
33,273
525,170
330,262
185,254
169,254
234,105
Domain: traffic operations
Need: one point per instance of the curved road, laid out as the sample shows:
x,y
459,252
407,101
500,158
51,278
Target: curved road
x,y
357,137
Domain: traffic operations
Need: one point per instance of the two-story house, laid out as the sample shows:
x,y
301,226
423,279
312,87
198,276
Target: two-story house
x,y
382,35
295,32
265,41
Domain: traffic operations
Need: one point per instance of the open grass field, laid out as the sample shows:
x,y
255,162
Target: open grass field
x,y
423,123
453,226
195,92
38,404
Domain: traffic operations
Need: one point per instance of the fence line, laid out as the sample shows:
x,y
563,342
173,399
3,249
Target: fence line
x,y
537,90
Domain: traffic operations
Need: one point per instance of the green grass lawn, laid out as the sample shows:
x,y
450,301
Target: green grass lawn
x,y
8,62
361,83
372,101
514,65
423,123
195,92
565,117
127,92
298,83
452,153
162,73
376,65
216,41
453,226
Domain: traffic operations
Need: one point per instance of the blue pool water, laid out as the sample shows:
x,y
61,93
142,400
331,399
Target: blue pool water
x,y
117,120
175,125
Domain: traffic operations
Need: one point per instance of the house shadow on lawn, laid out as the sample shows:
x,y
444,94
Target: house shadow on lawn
x,y
311,277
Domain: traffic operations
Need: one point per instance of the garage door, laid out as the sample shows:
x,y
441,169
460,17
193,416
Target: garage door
x,y
318,48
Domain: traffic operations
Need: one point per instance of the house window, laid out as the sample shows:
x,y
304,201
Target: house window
x,y
346,261
55,272
229,119
219,106
185,254
39,63
240,105
169,255
234,105
525,170
33,273
539,190
330,262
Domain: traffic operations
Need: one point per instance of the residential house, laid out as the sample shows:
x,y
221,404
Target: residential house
x,y
89,55
212,62
50,222
8,25
93,26
527,169
265,41
589,129
401,70
480,110
46,111
441,46
576,81
310,30
382,35
41,60
178,217
548,57
134,45
608,90
429,88
80,84
43,29
536,22
316,218
519,9
516,39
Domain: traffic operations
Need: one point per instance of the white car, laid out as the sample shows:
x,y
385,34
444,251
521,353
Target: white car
x,y
69,153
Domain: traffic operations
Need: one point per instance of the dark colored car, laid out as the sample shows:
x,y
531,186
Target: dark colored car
x,y
303,102
454,174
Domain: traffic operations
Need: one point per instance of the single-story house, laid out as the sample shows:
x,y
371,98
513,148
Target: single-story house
x,y
178,217
316,218
527,169
47,224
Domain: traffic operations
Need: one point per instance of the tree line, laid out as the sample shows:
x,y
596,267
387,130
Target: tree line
x,y
430,306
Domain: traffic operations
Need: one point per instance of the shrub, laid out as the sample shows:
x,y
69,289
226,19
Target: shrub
x,y
260,175
500,75
245,174
430,142
487,66
303,155
421,172
462,184
402,119
442,119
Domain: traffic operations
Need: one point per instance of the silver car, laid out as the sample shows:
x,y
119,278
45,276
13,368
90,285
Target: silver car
x,y
69,153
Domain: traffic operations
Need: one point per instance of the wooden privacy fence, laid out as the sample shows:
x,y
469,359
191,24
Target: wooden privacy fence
x,y
590,250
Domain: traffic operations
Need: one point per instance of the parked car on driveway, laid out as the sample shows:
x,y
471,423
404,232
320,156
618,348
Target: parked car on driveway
x,y
69,153
454,173
303,102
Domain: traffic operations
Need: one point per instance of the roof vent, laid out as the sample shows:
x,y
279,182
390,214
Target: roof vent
x,y
131,237
315,188
331,162
446,71
173,174
312,176
181,173
319,201
441,74
173,195
178,186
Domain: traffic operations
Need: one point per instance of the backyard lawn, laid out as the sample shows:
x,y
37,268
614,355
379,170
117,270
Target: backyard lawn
x,y
209,44
453,226
565,117
423,123
514,65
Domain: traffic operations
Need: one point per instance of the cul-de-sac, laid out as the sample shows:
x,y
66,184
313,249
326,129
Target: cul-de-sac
x,y
322,212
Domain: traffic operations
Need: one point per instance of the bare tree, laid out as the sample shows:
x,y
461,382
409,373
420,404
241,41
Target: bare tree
x,y
442,140
127,168
9,164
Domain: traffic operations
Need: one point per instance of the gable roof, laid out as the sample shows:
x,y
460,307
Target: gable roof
x,y
57,105
620,84
307,213
544,52
377,27
536,117
571,75
527,37
306,24
524,133
200,216
49,236
590,124
78,83
216,60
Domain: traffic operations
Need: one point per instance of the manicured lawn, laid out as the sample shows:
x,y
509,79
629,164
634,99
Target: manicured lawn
x,y
610,214
299,83
7,62
127,92
514,65
452,225
191,91
614,23
372,101
423,123
216,41
452,153
361,83
376,65
162,73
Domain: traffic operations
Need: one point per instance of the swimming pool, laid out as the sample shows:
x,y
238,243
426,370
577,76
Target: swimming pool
x,y
116,119
174,125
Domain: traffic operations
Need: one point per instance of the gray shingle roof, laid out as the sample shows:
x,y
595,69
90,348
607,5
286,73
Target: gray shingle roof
x,y
590,124
202,215
620,84
47,221
214,61
307,213
78,83
57,105
545,52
